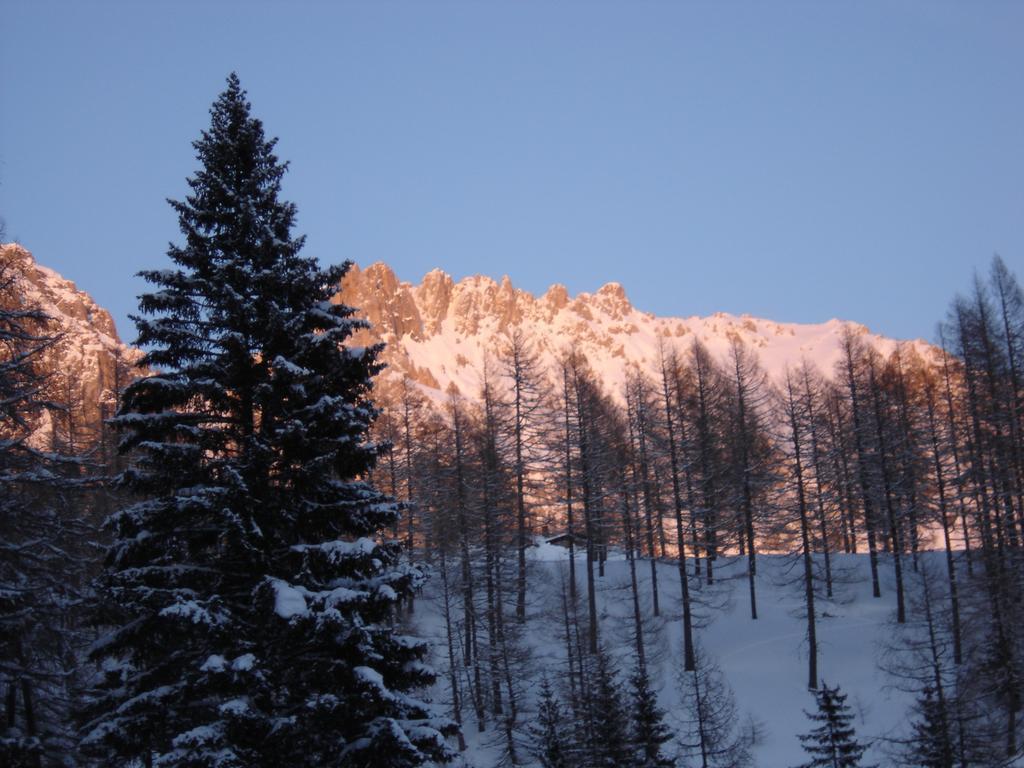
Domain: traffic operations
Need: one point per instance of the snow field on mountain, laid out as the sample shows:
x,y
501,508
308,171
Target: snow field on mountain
x,y
764,661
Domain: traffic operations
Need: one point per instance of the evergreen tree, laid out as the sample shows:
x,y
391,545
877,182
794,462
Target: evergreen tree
x,y
550,744
832,744
38,637
931,745
610,734
248,589
649,729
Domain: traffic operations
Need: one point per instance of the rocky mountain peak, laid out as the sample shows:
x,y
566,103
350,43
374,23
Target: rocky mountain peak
x,y
89,363
612,299
442,331
556,297
387,303
434,295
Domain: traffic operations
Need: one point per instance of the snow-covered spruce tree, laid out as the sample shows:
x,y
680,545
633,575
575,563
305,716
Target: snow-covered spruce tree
x,y
552,741
833,743
930,745
249,595
649,730
611,745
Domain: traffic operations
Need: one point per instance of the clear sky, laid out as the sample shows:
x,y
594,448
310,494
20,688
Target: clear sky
x,y
796,161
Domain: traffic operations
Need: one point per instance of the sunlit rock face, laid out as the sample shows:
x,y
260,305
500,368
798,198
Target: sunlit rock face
x,y
87,364
440,333
443,332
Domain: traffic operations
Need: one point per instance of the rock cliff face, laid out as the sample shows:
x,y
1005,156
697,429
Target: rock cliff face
x,y
443,332
86,366
438,333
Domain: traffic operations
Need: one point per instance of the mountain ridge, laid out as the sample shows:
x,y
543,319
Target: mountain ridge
x,y
442,331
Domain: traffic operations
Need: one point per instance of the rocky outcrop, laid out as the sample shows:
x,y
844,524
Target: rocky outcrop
x,y
87,365
442,332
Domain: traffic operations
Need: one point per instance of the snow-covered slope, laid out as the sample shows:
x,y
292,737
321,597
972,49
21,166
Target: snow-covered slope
x,y
764,661
90,360
441,331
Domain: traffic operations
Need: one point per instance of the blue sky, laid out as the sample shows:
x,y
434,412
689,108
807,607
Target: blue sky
x,y
797,161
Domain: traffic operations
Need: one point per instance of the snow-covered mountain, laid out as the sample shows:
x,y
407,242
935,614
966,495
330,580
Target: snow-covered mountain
x,y
89,361
441,331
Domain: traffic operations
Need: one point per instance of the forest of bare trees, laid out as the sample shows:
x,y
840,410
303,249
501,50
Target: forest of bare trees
x,y
712,462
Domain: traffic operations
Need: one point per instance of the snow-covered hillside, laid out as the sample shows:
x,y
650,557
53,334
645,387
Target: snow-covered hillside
x,y
764,661
441,331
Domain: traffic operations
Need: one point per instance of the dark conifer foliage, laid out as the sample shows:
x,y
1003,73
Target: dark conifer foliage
x,y
249,594
36,640
932,745
833,743
611,745
650,733
552,745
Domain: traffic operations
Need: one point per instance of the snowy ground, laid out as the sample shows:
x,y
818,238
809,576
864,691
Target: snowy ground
x,y
764,661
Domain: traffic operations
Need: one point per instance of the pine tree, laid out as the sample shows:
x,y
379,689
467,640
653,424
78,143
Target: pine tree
x,y
832,744
931,745
550,744
649,729
38,635
249,593
610,746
